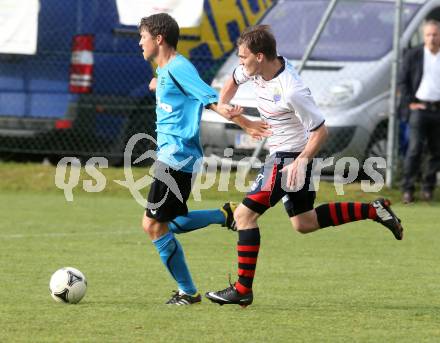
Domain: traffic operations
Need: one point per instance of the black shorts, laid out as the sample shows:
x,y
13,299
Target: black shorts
x,y
169,193
267,189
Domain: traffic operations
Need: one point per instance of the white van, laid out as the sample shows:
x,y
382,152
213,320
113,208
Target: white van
x,y
348,73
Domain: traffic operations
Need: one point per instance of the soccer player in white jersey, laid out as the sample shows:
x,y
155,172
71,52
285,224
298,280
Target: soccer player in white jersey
x,y
298,131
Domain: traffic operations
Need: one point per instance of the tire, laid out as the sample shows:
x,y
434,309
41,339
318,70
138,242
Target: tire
x,y
377,148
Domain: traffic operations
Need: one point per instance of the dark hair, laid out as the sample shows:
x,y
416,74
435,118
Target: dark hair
x,y
162,24
431,22
259,38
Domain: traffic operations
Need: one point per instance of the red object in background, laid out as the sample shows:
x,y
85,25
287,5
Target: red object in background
x,y
81,66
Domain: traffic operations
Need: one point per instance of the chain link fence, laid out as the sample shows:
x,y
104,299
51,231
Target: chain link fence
x,y
349,73
85,90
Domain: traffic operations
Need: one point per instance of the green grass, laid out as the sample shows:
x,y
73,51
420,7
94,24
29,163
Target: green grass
x,y
39,178
350,284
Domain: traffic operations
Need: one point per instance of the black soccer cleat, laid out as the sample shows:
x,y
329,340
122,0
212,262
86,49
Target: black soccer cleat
x,y
179,298
228,210
387,218
230,295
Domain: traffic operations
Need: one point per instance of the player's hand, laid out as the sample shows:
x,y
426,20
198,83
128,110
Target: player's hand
x,y
258,129
153,84
417,106
296,174
229,111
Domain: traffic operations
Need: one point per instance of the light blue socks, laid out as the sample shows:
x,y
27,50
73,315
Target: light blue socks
x,y
171,254
195,220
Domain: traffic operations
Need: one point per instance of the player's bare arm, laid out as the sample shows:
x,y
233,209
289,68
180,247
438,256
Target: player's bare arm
x,y
256,128
227,111
152,85
226,94
296,170
316,140
228,91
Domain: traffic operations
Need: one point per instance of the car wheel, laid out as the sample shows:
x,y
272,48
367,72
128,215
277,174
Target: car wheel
x,y
377,148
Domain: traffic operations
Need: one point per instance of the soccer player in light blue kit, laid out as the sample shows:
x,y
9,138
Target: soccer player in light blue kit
x,y
180,98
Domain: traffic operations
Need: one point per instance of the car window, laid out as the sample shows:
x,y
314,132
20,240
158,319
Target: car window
x,y
356,31
417,37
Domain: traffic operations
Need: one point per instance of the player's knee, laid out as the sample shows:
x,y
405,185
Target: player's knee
x,y
243,216
145,224
238,216
305,222
301,227
148,225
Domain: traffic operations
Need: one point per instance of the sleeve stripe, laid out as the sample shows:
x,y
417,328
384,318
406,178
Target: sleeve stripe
x,y
178,85
208,106
233,77
317,127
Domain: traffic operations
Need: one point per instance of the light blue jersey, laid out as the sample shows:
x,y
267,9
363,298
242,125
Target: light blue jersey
x,y
180,97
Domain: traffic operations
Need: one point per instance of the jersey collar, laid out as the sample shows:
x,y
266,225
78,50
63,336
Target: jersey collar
x,y
283,66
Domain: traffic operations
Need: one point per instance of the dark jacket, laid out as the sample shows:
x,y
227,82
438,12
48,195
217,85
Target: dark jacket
x,y
410,76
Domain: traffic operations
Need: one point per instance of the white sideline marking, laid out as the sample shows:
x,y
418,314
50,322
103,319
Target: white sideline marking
x,y
65,234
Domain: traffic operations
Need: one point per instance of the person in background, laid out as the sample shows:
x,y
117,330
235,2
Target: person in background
x,y
419,84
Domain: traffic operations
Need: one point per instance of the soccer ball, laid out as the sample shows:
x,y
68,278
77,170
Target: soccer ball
x,y
68,285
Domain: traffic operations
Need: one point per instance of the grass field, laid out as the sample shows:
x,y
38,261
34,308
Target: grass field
x,y
351,284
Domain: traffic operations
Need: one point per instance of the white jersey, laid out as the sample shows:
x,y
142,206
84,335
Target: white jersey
x,y
286,105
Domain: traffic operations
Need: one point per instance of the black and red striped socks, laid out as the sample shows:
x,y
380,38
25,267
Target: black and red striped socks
x,y
331,214
338,213
248,246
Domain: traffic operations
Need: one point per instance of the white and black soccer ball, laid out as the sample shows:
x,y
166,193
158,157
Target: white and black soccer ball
x,y
68,285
